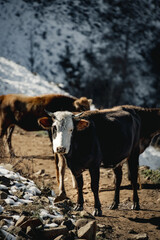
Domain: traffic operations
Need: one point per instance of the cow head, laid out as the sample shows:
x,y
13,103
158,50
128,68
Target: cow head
x,y
62,125
82,104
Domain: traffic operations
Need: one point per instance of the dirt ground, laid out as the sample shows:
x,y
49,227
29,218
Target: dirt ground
x,y
34,153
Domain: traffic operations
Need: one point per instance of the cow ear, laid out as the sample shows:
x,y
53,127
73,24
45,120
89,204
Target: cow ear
x,y
90,101
45,122
76,104
82,124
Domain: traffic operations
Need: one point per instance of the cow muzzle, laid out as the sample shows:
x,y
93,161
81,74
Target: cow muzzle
x,y
61,150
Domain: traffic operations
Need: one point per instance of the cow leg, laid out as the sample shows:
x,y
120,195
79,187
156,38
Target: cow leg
x,y
60,172
133,168
80,200
73,181
9,138
2,145
62,167
94,172
118,180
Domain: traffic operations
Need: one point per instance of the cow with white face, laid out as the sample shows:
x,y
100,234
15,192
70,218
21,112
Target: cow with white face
x,y
77,145
108,136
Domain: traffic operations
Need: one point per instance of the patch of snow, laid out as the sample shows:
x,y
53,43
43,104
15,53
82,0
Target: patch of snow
x,y
2,187
150,157
1,209
51,225
45,214
10,201
29,190
18,79
7,235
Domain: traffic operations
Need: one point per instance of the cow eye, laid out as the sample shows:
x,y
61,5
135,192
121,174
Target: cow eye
x,y
71,130
54,131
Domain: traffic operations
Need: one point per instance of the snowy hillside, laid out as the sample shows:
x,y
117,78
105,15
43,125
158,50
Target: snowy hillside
x,y
17,79
36,36
106,50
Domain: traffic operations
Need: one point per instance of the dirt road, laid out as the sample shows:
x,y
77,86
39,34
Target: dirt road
x,y
34,153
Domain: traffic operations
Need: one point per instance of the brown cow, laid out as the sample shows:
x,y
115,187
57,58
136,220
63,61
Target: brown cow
x,y
24,111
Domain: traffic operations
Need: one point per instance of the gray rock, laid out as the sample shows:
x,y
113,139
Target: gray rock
x,y
85,214
140,236
2,222
88,231
54,232
61,237
3,195
81,222
100,234
21,220
32,222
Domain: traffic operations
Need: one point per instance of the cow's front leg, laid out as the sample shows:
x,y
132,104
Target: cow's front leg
x,y
118,180
60,172
94,172
80,200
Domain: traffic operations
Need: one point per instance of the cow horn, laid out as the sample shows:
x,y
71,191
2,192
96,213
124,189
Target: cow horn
x,y
78,115
49,113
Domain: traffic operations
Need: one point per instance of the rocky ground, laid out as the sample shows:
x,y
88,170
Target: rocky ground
x,y
35,161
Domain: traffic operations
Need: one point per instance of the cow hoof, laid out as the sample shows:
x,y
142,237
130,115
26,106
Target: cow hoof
x,y
78,207
114,206
60,197
97,212
135,206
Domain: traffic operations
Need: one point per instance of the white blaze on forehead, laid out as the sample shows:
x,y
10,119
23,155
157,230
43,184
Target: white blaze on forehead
x,y
64,127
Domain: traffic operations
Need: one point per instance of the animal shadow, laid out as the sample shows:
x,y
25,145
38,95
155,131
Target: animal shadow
x,y
154,221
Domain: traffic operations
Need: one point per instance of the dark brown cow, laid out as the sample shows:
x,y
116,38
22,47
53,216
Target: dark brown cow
x,y
24,112
109,136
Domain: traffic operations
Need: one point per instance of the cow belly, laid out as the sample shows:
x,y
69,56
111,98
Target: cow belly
x,y
112,163
112,158
30,125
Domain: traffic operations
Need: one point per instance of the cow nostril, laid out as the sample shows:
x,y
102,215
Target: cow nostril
x,y
61,149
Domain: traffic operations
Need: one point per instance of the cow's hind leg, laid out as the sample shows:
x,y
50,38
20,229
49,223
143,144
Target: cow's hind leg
x,y
2,145
60,172
118,180
9,138
94,172
133,165
80,200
